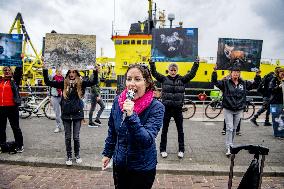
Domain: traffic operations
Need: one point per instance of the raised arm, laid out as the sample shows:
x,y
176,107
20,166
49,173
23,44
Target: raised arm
x,y
159,77
55,84
191,74
93,80
219,84
18,75
255,83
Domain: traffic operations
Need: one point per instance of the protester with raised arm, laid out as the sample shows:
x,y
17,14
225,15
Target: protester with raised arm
x,y
173,89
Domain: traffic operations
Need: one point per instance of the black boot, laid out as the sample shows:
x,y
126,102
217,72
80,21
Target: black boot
x,y
267,123
253,121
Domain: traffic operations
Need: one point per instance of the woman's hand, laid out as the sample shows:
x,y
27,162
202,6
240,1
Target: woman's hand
x,y
128,106
105,162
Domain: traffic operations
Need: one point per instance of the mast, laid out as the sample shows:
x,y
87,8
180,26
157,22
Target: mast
x,y
150,18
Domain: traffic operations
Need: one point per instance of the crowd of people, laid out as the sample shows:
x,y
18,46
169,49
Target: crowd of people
x,y
135,121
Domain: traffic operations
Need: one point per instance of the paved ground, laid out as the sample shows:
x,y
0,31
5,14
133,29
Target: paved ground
x,y
204,156
16,176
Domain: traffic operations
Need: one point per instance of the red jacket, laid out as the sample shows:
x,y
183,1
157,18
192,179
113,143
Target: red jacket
x,y
6,93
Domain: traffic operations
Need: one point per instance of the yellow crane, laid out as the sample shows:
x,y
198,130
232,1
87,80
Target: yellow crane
x,y
32,63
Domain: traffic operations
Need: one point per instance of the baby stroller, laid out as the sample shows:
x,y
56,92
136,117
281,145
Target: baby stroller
x,y
253,176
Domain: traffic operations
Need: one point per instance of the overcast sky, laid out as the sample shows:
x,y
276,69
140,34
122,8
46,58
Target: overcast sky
x,y
245,19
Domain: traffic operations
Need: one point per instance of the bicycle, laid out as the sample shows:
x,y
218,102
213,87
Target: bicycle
x,y
33,104
215,107
188,109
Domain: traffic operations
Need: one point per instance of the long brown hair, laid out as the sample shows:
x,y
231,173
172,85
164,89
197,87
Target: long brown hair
x,y
77,85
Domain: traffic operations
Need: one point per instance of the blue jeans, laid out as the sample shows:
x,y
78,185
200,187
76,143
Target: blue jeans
x,y
93,107
277,112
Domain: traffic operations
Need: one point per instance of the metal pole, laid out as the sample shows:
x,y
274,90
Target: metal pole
x,y
261,171
231,172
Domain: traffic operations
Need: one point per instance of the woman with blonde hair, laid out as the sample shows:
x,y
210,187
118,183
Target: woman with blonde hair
x,y
72,107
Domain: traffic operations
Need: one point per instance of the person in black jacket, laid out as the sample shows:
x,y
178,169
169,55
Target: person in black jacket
x,y
266,93
9,101
276,103
234,91
173,88
72,107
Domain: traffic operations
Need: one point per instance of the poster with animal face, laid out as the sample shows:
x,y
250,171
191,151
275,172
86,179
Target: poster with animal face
x,y
175,44
242,53
70,51
11,49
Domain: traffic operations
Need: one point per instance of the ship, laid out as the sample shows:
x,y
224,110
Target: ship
x,y
130,48
135,47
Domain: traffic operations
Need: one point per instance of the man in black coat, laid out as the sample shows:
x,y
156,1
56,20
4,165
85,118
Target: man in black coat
x,y
173,88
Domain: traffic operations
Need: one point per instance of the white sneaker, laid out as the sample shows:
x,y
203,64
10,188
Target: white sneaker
x,y
57,130
78,160
69,161
164,154
228,152
180,154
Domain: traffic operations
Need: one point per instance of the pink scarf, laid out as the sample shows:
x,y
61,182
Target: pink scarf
x,y
140,104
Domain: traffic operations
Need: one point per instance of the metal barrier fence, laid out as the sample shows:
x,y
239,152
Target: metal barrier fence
x,y
108,94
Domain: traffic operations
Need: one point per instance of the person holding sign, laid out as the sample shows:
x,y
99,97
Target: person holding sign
x,y
9,101
173,88
234,90
73,88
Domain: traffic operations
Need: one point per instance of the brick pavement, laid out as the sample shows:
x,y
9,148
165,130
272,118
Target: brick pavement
x,y
16,176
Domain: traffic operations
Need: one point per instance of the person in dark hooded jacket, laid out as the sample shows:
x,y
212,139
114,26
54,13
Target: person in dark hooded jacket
x,y
173,88
73,88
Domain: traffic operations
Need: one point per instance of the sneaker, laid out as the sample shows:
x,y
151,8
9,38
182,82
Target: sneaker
x,y
228,153
267,123
223,132
98,122
164,154
253,121
57,130
239,133
69,161
20,149
92,125
180,154
78,160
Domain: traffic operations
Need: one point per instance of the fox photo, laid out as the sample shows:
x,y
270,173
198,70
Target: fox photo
x,y
242,53
175,44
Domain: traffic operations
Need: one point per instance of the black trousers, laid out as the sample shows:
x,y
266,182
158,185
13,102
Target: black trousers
x,y
131,179
76,125
176,113
12,114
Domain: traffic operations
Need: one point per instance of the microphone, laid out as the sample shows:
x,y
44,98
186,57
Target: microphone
x,y
130,96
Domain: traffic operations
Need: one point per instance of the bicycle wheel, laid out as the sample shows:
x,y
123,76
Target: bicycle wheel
x,y
213,109
248,111
188,110
23,113
48,110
